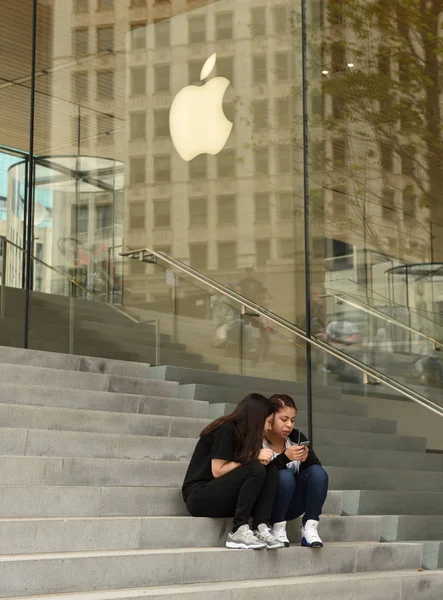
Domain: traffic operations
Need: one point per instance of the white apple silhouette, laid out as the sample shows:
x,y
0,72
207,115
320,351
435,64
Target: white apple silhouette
x,y
197,122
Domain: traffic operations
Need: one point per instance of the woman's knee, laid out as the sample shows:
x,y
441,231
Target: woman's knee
x,y
258,469
318,474
286,480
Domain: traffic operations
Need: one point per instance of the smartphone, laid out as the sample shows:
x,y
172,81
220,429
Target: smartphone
x,y
305,443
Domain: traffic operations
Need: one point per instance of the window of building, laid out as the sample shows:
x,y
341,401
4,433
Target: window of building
x,y
338,153
194,70
80,41
80,85
81,6
105,129
225,67
80,218
339,203
283,111
105,4
262,252
317,9
261,160
408,162
161,78
335,12
138,125
226,210
259,69
138,80
317,104
260,114
338,56
198,211
198,168
339,255
261,204
223,26
162,213
105,84
138,3
284,158
162,33
162,168
226,163
137,215
280,18
104,215
138,36
198,256
286,248
161,122
197,29
384,61
409,203
338,107
227,255
282,66
137,169
105,38
258,21
386,157
285,206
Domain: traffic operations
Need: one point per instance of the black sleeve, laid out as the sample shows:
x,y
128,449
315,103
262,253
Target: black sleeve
x,y
281,461
312,459
223,444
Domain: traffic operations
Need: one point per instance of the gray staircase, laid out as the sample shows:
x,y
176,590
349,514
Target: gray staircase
x,y
92,456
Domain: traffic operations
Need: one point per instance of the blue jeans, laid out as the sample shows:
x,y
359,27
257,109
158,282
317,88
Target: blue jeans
x,y
300,494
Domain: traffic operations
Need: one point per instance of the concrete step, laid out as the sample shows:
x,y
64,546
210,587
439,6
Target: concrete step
x,y
73,534
42,376
398,528
392,502
433,556
363,439
24,575
105,401
349,478
392,585
71,419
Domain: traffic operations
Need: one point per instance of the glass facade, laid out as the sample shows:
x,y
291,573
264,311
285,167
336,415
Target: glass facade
x,y
223,133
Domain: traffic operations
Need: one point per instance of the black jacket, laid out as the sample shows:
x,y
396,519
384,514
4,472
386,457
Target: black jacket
x,y
282,460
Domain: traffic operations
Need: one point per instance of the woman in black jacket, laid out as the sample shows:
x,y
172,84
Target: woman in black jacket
x,y
303,483
228,475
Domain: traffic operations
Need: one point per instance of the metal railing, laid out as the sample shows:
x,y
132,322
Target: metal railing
x,y
253,309
73,287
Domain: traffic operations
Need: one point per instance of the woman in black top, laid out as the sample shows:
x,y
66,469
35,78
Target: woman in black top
x,y
228,475
303,483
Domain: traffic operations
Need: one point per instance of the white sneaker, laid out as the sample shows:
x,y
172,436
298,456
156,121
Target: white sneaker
x,y
309,535
278,530
244,539
264,534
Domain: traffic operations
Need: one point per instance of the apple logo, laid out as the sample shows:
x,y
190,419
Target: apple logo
x,y
197,122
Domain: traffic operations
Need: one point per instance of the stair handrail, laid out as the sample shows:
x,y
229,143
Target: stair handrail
x,y
3,261
153,256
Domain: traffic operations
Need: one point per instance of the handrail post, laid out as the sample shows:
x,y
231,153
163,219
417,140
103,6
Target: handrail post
x,y
3,290
71,317
157,342
242,314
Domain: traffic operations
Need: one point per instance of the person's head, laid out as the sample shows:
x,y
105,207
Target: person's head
x,y
250,271
249,419
282,419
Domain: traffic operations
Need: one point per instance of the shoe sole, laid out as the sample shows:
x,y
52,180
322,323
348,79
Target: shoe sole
x,y
305,544
240,546
276,546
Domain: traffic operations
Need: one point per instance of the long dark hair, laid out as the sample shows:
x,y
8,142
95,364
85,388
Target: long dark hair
x,y
249,420
279,401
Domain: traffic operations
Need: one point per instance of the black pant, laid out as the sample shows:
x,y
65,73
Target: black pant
x,y
246,491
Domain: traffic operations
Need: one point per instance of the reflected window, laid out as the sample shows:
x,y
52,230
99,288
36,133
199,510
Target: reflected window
x,y
338,153
138,2
138,125
261,161
105,84
198,211
137,215
104,216
81,6
339,206
318,154
259,69
162,168
161,78
408,162
194,70
388,206
162,33
80,41
316,13
226,163
262,252
161,123
198,256
282,66
280,19
138,80
284,158
409,203
138,36
162,213
226,210
225,67
137,169
80,85
105,129
261,204
338,56
283,111
105,39
223,26
339,255
335,12
386,157
197,29
285,206
80,218
227,255
258,21
198,168
260,114
286,248
105,4
317,103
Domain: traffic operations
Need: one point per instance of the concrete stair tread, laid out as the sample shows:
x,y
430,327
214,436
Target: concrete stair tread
x,y
261,589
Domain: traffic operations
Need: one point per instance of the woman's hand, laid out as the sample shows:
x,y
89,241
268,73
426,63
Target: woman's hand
x,y
265,456
297,453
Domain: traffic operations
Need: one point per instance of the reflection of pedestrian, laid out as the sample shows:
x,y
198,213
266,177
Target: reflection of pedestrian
x,y
318,317
266,327
250,286
342,334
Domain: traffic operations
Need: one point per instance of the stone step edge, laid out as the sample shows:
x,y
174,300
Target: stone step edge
x,y
159,517
244,584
